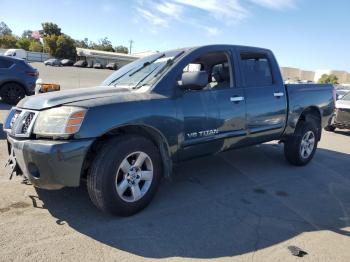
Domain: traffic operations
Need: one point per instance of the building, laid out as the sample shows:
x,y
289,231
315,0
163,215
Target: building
x,y
103,57
307,75
296,74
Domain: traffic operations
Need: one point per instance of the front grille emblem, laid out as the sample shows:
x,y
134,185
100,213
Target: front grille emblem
x,y
20,122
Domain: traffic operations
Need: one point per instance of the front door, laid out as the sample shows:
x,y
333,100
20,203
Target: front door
x,y
214,116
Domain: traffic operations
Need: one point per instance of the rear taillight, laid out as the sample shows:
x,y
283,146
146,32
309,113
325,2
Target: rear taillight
x,y
33,73
334,95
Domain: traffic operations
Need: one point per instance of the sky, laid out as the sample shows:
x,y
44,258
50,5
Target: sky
x,y
302,33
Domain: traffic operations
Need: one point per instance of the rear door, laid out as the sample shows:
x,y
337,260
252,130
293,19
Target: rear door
x,y
266,101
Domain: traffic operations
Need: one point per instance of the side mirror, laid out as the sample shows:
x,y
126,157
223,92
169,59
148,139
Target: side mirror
x,y
194,80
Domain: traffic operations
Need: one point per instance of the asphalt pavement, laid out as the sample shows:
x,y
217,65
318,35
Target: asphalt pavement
x,y
242,205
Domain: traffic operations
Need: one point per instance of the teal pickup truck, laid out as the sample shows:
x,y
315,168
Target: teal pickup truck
x,y
125,135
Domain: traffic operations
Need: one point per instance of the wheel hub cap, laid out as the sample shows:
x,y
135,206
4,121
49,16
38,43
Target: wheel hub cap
x,y
134,176
307,144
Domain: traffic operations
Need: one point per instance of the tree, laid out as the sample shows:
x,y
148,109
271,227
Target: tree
x,y
328,79
8,41
65,47
35,46
122,49
23,43
51,29
50,44
103,45
27,34
4,29
82,43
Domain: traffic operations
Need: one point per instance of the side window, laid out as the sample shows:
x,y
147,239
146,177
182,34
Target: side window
x,y
256,69
193,68
217,67
4,64
220,76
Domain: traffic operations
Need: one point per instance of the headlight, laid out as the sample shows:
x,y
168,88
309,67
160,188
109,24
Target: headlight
x,y
59,122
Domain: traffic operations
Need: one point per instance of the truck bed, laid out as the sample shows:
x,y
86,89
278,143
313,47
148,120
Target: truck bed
x,y
301,96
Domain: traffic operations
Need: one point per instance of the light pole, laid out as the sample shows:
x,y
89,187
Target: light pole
x,y
130,45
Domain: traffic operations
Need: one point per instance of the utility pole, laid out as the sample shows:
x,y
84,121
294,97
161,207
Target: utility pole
x,y
130,46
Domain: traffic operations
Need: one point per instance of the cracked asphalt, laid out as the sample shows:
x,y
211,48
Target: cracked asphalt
x,y
242,205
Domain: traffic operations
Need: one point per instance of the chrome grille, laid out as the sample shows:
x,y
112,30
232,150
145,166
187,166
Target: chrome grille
x,y
20,122
28,120
15,117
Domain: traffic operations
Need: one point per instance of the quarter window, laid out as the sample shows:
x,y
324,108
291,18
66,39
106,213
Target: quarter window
x,y
256,69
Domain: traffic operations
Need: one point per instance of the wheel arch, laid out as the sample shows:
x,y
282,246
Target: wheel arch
x,y
311,113
146,131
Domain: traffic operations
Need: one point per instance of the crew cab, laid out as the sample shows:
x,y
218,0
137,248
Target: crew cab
x,y
125,135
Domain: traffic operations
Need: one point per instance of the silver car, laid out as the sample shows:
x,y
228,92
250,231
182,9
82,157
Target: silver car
x,y
341,117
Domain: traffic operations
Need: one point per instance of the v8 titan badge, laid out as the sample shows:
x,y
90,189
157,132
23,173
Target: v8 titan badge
x,y
210,132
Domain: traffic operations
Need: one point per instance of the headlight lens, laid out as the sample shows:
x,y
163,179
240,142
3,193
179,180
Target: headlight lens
x,y
60,122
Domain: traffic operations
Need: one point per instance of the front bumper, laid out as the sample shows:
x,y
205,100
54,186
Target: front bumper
x,y
342,118
50,164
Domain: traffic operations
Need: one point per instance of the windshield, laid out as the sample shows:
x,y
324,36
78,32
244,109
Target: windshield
x,y
144,71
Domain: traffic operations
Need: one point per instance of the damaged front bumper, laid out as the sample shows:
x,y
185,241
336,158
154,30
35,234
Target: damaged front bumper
x,y
49,164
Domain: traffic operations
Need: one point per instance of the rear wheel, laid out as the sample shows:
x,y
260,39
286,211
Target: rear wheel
x,y
125,175
12,93
301,147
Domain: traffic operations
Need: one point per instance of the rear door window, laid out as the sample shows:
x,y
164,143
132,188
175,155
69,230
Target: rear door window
x,y
4,63
256,69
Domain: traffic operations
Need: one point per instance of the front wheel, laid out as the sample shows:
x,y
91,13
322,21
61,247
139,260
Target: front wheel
x,y
12,93
125,175
301,147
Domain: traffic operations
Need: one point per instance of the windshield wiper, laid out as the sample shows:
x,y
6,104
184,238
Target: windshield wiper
x,y
115,80
137,70
139,82
147,64
169,63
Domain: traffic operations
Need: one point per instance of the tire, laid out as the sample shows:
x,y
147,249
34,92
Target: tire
x,y
296,150
12,93
106,174
330,128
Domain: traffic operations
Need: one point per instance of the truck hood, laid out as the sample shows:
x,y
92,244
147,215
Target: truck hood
x,y
52,99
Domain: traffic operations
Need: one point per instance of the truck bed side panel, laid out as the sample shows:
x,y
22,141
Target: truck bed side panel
x,y
301,97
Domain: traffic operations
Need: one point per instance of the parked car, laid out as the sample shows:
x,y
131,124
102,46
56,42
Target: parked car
x,y
98,66
90,64
19,53
80,63
124,136
67,62
17,79
52,62
341,117
112,66
341,93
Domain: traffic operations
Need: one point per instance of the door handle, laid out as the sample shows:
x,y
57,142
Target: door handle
x,y
236,98
278,94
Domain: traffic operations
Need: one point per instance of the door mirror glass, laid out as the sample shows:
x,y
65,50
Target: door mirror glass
x,y
194,80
